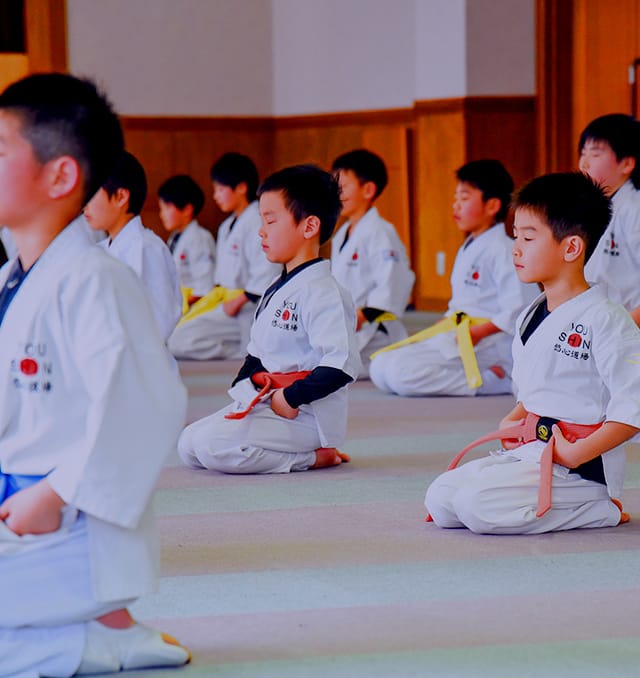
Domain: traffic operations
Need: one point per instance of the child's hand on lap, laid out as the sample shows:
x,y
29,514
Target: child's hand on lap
x,y
34,510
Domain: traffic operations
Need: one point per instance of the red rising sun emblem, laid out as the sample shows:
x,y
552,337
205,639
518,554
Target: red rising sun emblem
x,y
354,256
28,366
286,315
475,275
574,340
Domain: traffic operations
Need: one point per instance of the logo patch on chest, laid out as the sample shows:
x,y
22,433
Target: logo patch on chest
x,y
611,246
575,342
472,277
286,316
32,371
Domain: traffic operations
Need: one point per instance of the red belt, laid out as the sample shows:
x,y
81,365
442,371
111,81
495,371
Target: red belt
x,y
268,381
534,427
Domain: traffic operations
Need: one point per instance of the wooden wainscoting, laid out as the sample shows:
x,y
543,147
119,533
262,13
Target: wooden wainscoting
x,y
168,146
450,133
422,148
12,68
322,138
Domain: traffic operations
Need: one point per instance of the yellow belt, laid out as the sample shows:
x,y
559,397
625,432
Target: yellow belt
x,y
460,323
385,315
215,297
186,295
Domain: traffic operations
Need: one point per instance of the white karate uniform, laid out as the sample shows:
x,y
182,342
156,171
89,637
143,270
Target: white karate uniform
x,y
309,322
581,365
89,398
484,284
149,257
194,255
616,259
240,264
7,241
373,265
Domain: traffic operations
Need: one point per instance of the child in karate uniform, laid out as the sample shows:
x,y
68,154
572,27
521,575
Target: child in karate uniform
x,y
576,372
7,241
218,325
610,154
90,405
469,351
193,247
303,349
115,208
367,256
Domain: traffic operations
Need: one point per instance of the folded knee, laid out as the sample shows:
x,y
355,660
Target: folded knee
x,y
473,507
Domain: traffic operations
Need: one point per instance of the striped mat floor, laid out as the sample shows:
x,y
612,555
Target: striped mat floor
x,y
335,573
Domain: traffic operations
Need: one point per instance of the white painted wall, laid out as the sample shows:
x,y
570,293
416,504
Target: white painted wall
x,y
343,55
440,49
176,57
292,57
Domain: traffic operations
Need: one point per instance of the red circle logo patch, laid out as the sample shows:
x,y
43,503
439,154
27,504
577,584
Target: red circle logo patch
x,y
354,256
286,315
574,340
475,275
28,366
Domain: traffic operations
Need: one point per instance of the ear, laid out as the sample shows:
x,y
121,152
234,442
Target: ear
x,y
64,176
242,188
627,165
574,248
121,198
187,212
369,190
311,227
492,206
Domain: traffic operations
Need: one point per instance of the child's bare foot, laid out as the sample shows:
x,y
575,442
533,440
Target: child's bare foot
x,y
624,516
498,371
329,456
118,619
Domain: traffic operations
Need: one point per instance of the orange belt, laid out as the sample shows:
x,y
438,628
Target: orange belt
x,y
268,381
533,427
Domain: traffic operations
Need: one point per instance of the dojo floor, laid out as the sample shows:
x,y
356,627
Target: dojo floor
x,y
334,573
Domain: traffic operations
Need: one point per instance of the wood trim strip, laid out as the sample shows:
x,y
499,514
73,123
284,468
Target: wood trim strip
x,y
488,104
196,124
399,116
391,116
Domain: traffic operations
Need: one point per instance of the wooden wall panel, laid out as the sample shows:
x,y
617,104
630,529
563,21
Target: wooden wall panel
x,y
168,146
421,147
320,139
554,78
46,32
584,50
502,128
606,41
12,68
439,150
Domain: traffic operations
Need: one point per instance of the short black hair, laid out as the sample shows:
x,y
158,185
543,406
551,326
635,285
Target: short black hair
x,y
61,115
571,203
366,165
491,178
622,133
307,191
232,169
128,174
181,190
